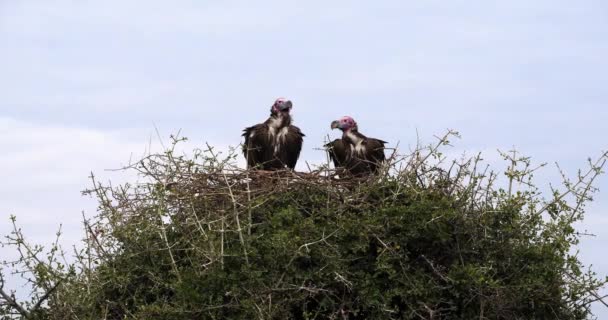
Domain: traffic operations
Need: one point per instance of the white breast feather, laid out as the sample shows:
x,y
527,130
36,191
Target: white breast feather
x,y
353,137
283,134
358,143
275,122
278,138
359,148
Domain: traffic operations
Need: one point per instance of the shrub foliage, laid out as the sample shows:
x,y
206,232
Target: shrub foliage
x,y
427,238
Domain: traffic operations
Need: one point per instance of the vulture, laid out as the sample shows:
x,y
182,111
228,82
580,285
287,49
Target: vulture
x,y
356,153
275,143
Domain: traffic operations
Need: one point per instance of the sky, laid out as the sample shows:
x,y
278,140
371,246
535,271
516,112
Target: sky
x,y
86,84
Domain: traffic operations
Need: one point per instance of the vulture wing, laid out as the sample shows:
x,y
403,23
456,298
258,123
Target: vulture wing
x,y
374,153
290,151
338,152
257,148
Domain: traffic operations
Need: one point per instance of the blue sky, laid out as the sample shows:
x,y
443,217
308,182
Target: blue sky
x,y
84,83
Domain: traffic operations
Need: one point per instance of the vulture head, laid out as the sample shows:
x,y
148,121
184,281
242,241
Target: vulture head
x,y
281,105
345,124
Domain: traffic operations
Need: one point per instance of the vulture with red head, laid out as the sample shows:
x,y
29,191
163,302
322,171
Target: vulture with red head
x,y
275,143
354,152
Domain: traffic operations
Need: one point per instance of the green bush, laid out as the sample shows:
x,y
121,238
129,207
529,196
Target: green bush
x,y
425,239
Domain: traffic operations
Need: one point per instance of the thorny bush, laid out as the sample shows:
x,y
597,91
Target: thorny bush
x,y
427,238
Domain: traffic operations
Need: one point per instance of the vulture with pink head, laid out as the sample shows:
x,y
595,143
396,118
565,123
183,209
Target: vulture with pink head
x,y
356,153
275,143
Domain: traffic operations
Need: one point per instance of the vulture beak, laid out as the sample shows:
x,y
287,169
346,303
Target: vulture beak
x,y
335,124
285,106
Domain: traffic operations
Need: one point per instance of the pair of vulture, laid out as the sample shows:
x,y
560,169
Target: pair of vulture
x,y
276,143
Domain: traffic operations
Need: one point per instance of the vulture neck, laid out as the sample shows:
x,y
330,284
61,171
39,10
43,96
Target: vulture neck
x,y
353,136
279,120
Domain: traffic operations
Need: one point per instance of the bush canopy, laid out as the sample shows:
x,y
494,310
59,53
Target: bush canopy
x,y
426,238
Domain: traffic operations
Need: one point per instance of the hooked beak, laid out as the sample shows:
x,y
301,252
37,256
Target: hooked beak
x,y
335,124
285,106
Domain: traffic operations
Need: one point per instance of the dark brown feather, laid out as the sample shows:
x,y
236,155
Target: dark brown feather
x,y
255,148
341,152
338,152
259,147
374,155
290,151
